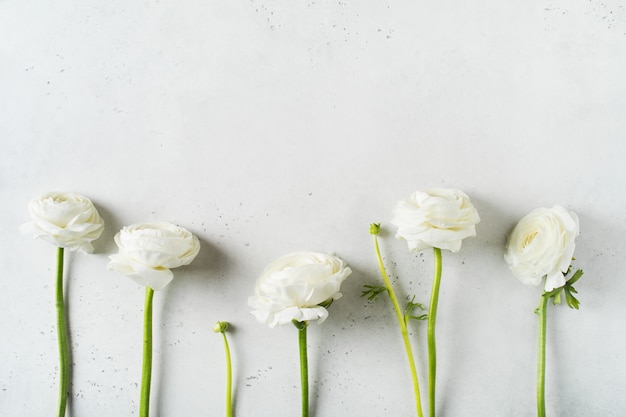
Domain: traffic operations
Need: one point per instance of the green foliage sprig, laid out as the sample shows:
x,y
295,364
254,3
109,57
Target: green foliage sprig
x,y
567,289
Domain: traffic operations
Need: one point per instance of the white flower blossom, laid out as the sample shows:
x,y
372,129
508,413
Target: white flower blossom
x,y
294,286
66,220
147,252
439,218
542,245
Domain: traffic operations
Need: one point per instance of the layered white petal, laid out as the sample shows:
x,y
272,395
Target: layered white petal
x,y
292,287
542,245
147,252
66,220
439,218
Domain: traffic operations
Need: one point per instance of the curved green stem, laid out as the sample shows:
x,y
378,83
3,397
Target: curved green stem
x,y
146,368
304,365
432,319
61,337
403,328
229,378
541,358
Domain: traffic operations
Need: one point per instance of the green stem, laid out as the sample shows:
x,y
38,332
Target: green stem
x,y
61,337
229,378
304,366
432,319
304,371
146,369
541,358
403,329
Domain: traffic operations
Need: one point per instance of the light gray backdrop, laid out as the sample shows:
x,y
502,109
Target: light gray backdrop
x,y
267,127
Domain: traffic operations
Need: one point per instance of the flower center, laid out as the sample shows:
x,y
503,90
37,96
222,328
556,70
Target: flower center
x,y
529,238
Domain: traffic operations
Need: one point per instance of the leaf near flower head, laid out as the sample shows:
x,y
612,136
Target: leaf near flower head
x,y
568,289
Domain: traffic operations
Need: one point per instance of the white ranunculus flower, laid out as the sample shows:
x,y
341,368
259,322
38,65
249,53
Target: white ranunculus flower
x,y
147,252
66,220
542,244
293,287
439,218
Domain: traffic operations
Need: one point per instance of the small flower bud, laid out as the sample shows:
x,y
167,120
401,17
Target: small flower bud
x,y
374,228
220,326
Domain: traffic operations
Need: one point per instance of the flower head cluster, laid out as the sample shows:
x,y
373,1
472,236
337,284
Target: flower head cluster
x,y
297,287
439,218
147,252
542,245
66,220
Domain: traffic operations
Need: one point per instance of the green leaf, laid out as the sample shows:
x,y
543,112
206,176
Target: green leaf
x,y
373,291
410,306
575,277
571,301
555,294
568,290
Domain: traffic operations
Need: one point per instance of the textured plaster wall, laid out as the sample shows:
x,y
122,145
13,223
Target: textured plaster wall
x,y
267,127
